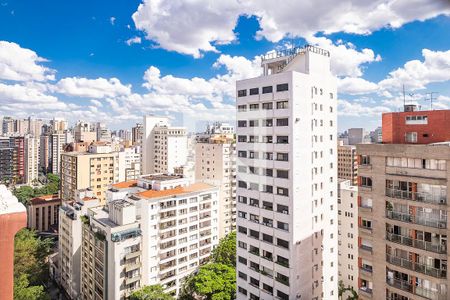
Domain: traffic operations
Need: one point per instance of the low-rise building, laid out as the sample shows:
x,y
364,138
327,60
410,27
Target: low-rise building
x,y
43,213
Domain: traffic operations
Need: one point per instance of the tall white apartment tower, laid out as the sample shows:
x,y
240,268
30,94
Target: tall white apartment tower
x,y
32,146
164,147
287,179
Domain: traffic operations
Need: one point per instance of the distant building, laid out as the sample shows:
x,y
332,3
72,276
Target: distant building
x,y
356,136
136,134
348,234
13,217
57,141
43,213
347,163
32,154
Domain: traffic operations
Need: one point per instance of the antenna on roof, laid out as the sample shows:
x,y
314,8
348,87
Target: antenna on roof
x,y
404,96
431,98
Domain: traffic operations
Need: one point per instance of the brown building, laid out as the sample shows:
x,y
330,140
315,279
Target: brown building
x,y
13,217
416,127
43,213
347,163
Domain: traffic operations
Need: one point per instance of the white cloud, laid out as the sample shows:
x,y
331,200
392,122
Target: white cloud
x,y
96,103
416,74
346,60
356,86
93,88
360,109
21,64
112,20
133,40
190,27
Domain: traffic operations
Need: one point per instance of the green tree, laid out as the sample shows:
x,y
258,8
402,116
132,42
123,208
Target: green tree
x,y
30,264
25,193
213,281
225,252
22,290
151,292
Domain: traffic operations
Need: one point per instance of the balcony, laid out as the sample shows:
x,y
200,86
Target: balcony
x,y
416,219
130,280
366,248
366,270
365,208
407,241
416,196
366,291
125,234
132,266
133,254
365,229
417,290
417,267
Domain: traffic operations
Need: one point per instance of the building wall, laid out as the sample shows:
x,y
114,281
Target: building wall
x,y
436,130
347,163
32,146
43,215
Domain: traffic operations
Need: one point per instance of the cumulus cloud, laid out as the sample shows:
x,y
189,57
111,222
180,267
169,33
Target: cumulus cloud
x,y
416,74
360,109
205,23
92,88
356,86
21,64
133,40
112,20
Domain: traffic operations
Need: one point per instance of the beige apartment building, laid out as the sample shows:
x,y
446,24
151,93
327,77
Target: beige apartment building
x,y
348,234
43,213
94,170
347,163
403,194
215,163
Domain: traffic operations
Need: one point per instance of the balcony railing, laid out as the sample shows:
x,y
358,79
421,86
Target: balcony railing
x,y
417,267
366,289
404,240
417,219
417,290
416,196
366,248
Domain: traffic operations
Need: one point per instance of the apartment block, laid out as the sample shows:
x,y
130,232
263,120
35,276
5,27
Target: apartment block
x,y
179,228
347,163
43,213
348,234
414,126
32,154
71,217
130,162
164,147
403,229
215,163
95,170
57,142
287,222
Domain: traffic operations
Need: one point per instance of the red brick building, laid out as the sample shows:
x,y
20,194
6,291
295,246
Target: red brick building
x,y
416,127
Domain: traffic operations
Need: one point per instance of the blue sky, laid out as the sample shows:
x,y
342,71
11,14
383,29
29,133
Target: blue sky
x,y
114,61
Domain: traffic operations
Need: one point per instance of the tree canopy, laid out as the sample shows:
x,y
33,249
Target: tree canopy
x,y
225,252
30,265
25,193
213,281
151,292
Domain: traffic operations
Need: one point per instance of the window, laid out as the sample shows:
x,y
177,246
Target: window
x,y
253,170
282,209
268,172
282,122
268,123
267,105
242,184
242,138
254,106
242,107
268,205
242,290
267,189
242,153
365,160
282,87
282,156
282,104
283,226
282,243
268,139
253,123
282,173
411,137
242,230
366,181
242,275
254,91
253,139
242,93
282,191
416,120
242,199
254,202
254,234
267,238
242,123
282,139
253,155
267,89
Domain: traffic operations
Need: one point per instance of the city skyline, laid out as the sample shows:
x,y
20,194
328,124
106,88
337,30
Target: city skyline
x,y
115,63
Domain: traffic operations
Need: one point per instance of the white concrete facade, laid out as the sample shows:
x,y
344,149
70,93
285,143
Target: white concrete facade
x,y
287,179
32,155
348,234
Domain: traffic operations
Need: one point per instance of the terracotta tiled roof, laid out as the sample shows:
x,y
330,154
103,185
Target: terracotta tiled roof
x,y
125,184
45,199
196,187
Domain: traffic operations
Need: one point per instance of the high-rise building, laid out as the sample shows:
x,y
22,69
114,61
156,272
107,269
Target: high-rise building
x,y
215,163
348,235
356,136
59,124
7,126
136,134
32,152
96,170
71,217
164,147
45,153
347,163
6,160
287,221
155,230
18,159
130,163
35,127
13,217
84,132
57,142
403,197
103,133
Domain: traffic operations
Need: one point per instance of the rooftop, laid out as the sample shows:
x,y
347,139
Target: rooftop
x,y
196,187
125,184
45,199
162,177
